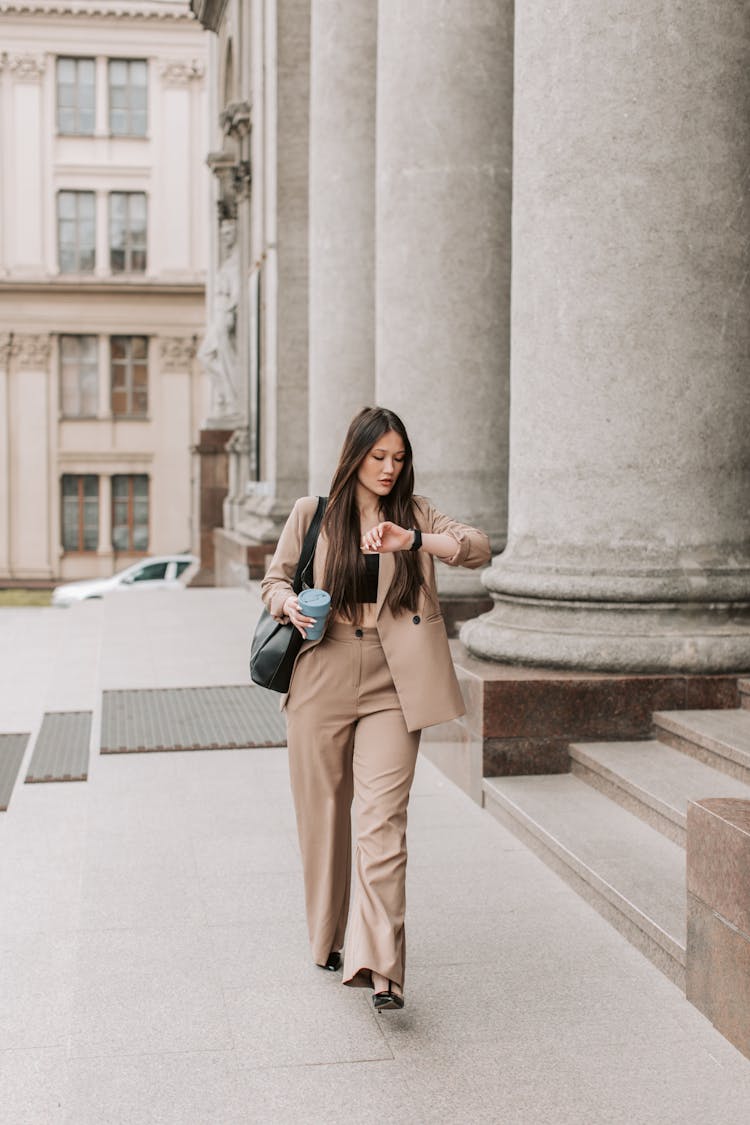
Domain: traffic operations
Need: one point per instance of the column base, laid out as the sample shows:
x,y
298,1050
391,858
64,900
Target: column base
x,y
678,637
238,560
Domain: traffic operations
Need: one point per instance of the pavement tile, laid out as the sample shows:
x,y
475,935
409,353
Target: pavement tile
x,y
172,1088
33,1086
244,853
474,842
206,1088
139,892
36,989
241,954
145,990
258,898
458,1005
308,1019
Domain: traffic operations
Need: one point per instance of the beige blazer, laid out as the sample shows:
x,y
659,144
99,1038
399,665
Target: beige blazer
x,y
415,644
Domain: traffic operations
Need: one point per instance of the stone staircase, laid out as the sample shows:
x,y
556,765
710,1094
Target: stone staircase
x,y
614,828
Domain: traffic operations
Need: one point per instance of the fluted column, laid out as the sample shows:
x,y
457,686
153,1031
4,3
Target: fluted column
x,y
629,526
342,224
444,122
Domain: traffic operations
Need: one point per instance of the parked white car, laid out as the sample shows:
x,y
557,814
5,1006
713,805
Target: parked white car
x,y
165,572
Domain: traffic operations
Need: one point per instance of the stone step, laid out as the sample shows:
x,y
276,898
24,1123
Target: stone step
x,y
744,689
719,738
628,871
652,780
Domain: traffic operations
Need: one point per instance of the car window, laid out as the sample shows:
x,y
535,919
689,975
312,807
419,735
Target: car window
x,y
182,566
150,572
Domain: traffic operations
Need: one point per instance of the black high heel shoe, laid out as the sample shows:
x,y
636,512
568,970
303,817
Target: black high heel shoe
x,y
382,1001
334,962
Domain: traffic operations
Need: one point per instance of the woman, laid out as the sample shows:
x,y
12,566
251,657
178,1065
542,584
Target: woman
x,y
360,696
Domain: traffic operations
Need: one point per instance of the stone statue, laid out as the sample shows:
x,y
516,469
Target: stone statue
x,y
218,352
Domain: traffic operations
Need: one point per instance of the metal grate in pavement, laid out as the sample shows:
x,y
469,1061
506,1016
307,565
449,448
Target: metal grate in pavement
x,y
61,751
12,747
196,718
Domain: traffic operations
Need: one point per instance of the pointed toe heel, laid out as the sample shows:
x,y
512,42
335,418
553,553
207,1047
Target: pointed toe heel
x,y
383,1001
333,964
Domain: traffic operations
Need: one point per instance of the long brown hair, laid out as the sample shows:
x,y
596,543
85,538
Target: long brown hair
x,y
345,565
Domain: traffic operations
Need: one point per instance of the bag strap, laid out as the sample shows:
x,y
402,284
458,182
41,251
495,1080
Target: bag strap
x,y
308,547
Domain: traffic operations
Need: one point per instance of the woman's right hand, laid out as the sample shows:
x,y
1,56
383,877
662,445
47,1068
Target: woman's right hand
x,y
295,615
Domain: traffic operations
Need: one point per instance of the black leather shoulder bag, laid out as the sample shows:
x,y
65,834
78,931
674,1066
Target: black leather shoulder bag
x,y
274,646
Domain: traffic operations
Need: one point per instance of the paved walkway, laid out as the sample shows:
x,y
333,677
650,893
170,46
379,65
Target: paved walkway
x,y
153,955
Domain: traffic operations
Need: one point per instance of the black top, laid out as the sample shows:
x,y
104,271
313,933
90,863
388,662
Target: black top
x,y
372,566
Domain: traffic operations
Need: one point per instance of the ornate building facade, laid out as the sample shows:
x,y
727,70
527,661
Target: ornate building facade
x,y
103,254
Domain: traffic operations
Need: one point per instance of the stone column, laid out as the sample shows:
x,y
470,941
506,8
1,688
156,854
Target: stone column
x,y
629,529
104,548
213,483
342,225
24,193
31,449
283,183
444,123
6,350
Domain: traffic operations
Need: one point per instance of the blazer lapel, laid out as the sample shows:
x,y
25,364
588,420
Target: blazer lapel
x,y
386,573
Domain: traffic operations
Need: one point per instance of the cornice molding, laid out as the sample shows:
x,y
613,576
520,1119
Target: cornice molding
x,y
166,13
96,286
104,457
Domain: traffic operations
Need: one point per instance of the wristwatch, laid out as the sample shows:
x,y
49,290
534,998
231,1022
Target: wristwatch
x,y
417,539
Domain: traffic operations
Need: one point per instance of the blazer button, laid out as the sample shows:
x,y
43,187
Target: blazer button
x,y
416,619
358,633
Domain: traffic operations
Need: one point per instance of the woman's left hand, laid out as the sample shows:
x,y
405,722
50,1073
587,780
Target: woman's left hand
x,y
387,536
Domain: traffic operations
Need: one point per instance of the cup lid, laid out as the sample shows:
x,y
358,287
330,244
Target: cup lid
x,y
314,597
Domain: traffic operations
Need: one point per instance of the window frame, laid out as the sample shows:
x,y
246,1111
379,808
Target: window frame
x,y
131,500
77,108
81,503
78,195
130,247
129,109
64,364
130,388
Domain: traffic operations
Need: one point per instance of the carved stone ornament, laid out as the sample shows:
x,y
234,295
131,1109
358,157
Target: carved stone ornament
x,y
32,352
180,72
176,353
236,119
27,68
6,348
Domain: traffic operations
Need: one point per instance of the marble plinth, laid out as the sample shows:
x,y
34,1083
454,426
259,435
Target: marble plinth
x,y
718,936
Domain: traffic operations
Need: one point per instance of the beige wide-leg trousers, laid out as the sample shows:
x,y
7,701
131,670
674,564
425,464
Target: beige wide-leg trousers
x,y
348,739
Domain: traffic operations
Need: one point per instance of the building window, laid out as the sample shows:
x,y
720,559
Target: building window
x,y
76,96
130,513
129,376
128,97
127,231
76,231
79,376
80,512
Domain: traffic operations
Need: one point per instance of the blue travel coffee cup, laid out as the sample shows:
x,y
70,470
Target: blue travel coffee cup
x,y
315,603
